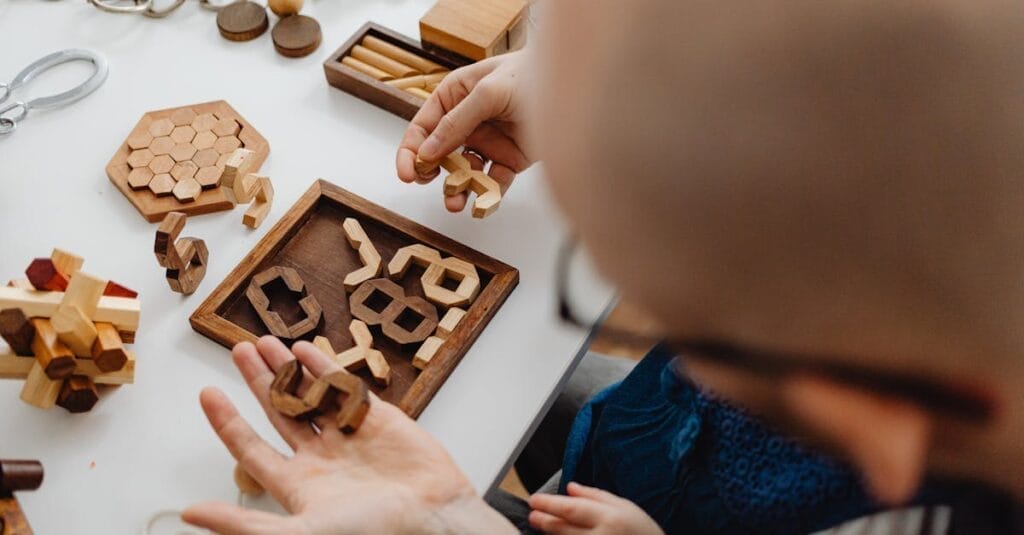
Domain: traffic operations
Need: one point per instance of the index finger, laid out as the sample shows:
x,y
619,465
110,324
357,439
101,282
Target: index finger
x,y
456,86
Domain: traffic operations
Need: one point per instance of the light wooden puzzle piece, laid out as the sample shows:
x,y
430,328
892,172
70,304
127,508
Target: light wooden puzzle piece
x,y
368,255
238,166
463,177
263,199
360,356
437,270
426,352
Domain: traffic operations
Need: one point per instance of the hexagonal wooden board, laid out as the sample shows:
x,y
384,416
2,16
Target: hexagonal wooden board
x,y
179,144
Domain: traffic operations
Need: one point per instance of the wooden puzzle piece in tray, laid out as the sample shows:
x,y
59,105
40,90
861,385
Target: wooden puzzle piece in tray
x,y
423,312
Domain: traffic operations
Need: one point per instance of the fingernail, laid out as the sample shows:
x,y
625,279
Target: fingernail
x,y
429,148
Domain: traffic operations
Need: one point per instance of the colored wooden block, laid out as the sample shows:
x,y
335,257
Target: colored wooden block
x,y
43,275
108,350
56,358
17,331
154,202
114,289
315,224
78,394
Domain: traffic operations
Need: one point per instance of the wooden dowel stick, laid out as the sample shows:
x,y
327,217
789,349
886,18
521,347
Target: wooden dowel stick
x,y
382,62
368,70
401,55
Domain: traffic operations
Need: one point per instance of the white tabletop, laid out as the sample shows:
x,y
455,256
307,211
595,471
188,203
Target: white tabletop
x,y
147,446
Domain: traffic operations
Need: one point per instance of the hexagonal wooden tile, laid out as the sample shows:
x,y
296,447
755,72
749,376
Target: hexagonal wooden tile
x,y
140,158
163,134
183,152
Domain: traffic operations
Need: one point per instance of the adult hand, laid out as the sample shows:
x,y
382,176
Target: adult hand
x,y
390,476
480,106
589,510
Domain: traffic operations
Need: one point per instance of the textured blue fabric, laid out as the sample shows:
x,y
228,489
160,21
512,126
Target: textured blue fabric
x,y
698,465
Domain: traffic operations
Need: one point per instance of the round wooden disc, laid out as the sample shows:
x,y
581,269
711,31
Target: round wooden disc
x,y
296,36
242,21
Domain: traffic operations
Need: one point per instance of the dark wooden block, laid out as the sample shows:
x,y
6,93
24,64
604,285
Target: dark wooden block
x,y
365,87
17,331
310,239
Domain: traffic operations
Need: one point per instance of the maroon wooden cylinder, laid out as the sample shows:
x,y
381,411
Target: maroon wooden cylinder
x,y
20,475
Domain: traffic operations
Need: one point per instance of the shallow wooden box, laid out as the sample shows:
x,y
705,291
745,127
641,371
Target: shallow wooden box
x,y
365,87
310,239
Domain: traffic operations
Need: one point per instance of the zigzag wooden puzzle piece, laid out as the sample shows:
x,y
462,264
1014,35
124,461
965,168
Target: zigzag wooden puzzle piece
x,y
368,255
360,356
321,396
262,201
184,259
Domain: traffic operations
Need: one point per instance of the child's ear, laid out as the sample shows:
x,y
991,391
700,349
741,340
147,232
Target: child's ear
x,y
888,439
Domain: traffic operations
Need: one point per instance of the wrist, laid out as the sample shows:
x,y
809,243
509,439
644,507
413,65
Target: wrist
x,y
469,514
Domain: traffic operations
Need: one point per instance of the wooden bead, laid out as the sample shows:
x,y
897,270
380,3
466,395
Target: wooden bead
x,y
283,8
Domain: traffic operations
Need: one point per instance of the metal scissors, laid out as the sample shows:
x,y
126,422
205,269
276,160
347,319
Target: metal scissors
x,y
148,7
16,112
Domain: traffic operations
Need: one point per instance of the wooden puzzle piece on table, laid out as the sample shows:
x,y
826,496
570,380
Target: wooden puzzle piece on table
x,y
312,237
321,396
64,343
312,313
173,159
437,271
248,187
185,259
17,476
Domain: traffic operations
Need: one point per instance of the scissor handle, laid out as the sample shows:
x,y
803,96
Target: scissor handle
x,y
99,75
138,7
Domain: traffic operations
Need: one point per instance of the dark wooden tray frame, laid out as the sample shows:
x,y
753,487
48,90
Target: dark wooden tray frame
x,y
207,319
380,94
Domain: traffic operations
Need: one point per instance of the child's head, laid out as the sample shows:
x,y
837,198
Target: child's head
x,y
822,178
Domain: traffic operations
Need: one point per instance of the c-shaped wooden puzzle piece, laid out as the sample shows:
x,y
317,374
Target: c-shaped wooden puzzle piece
x,y
185,259
368,255
360,356
273,321
461,177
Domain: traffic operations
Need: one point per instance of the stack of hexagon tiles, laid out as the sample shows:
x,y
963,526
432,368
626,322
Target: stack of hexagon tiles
x,y
65,331
183,154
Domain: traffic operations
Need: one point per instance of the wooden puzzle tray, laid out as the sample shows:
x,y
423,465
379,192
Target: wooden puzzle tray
x,y
311,240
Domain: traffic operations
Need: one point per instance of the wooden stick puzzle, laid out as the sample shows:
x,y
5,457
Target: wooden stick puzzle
x,y
17,476
383,327
172,161
64,342
388,69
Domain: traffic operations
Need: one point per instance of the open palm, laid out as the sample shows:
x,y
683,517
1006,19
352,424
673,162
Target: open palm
x,y
390,476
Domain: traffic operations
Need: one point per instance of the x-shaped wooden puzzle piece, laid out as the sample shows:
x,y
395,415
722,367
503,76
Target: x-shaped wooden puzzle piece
x,y
363,355
16,476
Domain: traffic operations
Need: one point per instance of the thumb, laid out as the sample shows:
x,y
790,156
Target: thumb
x,y
483,102
229,519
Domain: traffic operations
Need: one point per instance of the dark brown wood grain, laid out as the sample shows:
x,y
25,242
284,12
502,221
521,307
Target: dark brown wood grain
x,y
242,21
310,239
17,475
17,331
296,36
365,87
